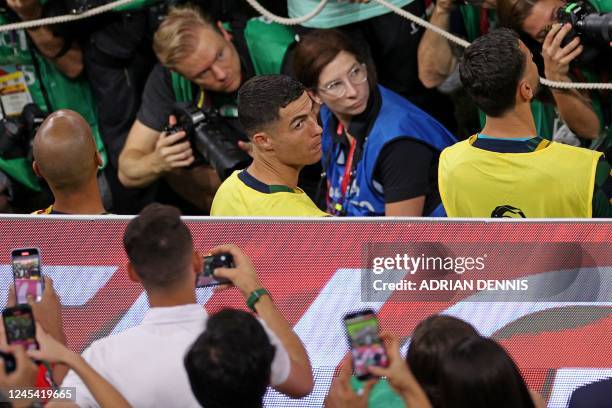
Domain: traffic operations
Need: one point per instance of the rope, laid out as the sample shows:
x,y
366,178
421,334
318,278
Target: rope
x,y
293,21
465,44
64,19
424,23
427,25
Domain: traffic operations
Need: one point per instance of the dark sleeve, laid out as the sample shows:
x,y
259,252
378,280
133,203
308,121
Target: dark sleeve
x,y
602,191
157,99
456,23
404,168
67,31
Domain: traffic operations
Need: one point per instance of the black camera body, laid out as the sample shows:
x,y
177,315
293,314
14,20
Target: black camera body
x,y
17,133
212,136
593,28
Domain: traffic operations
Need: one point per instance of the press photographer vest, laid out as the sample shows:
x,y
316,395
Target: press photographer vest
x,y
396,119
554,181
267,43
42,77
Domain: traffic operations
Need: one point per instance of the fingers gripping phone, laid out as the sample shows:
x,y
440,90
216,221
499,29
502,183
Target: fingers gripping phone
x,y
10,364
367,348
19,326
27,274
206,277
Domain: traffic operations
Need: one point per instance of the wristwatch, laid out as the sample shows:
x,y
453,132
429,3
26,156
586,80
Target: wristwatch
x,y
255,296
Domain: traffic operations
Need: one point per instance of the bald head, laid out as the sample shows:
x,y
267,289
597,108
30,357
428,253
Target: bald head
x,y
64,151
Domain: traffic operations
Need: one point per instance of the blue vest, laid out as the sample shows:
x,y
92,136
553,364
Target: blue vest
x,y
397,119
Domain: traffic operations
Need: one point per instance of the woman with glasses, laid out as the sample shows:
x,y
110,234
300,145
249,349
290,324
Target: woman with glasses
x,y
380,152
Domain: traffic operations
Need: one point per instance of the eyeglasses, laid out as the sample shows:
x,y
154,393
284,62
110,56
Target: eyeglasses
x,y
357,75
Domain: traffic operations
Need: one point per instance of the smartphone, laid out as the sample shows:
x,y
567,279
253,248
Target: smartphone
x,y
367,348
26,274
9,362
19,326
207,277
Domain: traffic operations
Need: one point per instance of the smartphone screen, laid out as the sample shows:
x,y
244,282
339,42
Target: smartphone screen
x,y
19,326
206,277
26,274
367,348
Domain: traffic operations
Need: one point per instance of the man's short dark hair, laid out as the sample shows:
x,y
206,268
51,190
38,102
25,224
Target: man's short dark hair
x,y
159,246
229,365
491,69
261,98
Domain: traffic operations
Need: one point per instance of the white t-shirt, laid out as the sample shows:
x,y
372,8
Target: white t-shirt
x,y
145,363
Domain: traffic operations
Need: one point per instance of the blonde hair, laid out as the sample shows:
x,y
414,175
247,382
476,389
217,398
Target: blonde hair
x,y
176,36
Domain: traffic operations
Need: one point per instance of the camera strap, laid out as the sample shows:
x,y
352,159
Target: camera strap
x,y
201,97
39,77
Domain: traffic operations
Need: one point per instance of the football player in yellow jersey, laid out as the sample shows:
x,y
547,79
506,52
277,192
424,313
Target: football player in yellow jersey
x,y
506,170
281,121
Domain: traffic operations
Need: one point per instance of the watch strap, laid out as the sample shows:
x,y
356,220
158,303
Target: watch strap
x,y
255,296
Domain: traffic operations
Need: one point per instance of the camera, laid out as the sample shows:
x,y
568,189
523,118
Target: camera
x,y
17,133
212,136
593,28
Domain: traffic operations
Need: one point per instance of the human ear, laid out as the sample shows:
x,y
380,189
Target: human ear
x,y
526,91
262,140
224,33
314,96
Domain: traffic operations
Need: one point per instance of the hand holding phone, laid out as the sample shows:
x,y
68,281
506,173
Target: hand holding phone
x,y
19,370
399,376
367,348
207,277
242,275
27,274
19,326
8,360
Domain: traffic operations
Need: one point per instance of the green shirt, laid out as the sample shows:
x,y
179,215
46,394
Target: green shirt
x,y
381,394
62,92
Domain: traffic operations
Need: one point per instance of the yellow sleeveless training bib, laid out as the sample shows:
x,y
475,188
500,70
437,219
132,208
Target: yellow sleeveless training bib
x,y
554,181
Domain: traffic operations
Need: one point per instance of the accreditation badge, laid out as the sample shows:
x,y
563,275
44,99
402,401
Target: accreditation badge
x,y
14,93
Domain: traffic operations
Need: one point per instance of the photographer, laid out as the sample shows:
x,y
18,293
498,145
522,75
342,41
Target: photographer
x,y
45,64
586,114
203,63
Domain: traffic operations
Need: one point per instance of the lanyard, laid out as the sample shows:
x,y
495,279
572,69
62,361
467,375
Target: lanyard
x,y
348,169
348,173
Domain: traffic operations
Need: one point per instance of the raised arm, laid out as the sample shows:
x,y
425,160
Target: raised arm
x,y
62,52
300,381
54,352
574,107
435,58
